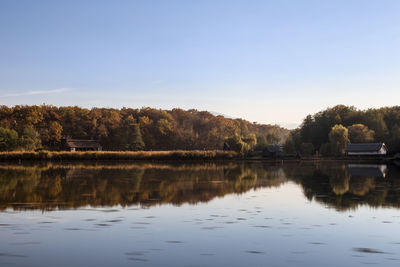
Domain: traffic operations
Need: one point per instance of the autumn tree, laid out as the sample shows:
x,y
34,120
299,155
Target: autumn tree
x,y
339,138
159,129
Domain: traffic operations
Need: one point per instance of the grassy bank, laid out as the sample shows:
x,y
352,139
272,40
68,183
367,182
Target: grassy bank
x,y
119,155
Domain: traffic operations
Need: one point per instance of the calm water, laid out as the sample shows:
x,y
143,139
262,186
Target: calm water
x,y
225,214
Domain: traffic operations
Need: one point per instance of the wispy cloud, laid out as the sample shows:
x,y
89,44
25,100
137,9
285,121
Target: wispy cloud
x,y
38,92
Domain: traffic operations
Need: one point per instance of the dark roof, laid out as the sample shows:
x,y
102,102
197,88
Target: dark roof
x,y
75,143
367,170
364,147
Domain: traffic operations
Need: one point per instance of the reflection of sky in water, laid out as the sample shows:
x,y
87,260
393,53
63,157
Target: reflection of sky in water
x,y
274,226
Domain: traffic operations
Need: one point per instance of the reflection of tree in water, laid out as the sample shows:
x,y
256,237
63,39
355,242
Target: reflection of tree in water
x,y
360,186
71,186
61,186
333,185
339,181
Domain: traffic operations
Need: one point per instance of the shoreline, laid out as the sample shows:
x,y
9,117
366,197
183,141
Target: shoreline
x,y
118,155
174,155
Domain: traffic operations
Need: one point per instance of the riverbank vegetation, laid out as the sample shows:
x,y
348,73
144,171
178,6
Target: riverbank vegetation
x,y
329,131
119,155
43,127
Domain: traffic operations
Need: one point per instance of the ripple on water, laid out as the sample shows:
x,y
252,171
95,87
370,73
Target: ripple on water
x,y
299,252
369,250
211,227
114,221
11,255
254,252
135,253
110,210
24,243
207,254
317,243
22,233
137,259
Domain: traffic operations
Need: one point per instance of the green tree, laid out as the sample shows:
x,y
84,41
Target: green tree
x,y
289,146
52,134
30,139
164,126
339,138
136,141
261,142
326,150
272,138
250,139
307,148
237,144
8,139
359,133
394,141
133,138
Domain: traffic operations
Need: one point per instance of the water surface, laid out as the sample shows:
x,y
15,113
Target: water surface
x,y
205,214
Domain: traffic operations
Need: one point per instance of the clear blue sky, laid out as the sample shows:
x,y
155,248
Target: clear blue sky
x,y
264,61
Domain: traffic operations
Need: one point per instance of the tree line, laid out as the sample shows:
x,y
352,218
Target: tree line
x,y
25,127
329,131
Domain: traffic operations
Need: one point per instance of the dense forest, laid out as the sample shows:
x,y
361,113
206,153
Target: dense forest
x,y
43,127
329,131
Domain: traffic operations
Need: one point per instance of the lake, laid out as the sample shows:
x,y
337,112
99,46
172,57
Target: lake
x,y
199,214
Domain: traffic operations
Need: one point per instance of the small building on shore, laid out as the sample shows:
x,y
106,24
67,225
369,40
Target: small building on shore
x,y
366,149
81,145
273,151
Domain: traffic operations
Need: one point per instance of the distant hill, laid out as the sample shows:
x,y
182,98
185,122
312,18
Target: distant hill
x,y
221,114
